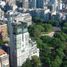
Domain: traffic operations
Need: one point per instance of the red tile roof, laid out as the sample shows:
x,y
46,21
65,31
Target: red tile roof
x,y
2,52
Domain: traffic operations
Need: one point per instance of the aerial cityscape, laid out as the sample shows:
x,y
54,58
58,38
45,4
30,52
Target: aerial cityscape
x,y
33,33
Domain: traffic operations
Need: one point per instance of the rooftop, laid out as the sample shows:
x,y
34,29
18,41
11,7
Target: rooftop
x,y
64,10
2,52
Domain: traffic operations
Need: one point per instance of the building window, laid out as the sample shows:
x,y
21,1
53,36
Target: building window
x,y
4,65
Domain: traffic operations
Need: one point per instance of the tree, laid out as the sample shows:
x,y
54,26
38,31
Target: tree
x,y
55,21
35,30
48,28
51,22
27,63
45,55
31,30
39,43
53,50
60,35
1,42
64,28
64,64
36,61
46,39
52,47
57,62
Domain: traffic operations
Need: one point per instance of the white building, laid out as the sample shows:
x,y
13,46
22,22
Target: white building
x,y
23,3
21,46
24,17
1,13
11,2
47,15
4,59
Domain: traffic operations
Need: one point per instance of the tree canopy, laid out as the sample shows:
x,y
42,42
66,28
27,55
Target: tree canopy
x,y
53,50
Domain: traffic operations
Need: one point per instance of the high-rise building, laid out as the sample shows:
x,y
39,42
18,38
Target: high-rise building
x,y
19,3
20,46
64,3
4,59
32,4
59,3
56,5
39,3
23,3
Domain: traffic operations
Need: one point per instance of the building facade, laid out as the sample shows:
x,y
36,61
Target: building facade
x,y
32,4
20,46
23,3
3,30
4,59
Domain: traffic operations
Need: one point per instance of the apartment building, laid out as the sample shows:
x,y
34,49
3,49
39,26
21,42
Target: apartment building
x,y
20,46
11,2
64,3
23,3
3,30
4,59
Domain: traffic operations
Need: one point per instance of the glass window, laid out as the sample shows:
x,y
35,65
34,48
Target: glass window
x,y
19,29
5,65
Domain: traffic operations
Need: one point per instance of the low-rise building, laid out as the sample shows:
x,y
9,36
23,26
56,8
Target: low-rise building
x,y
4,59
1,13
3,30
